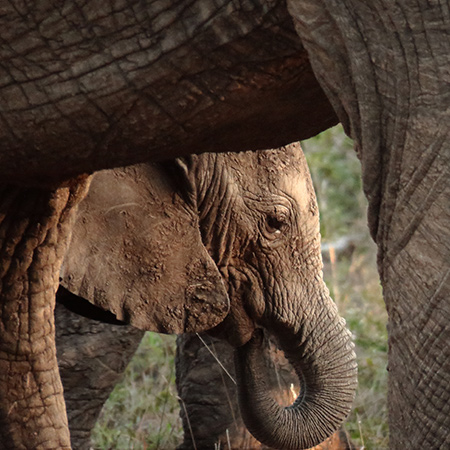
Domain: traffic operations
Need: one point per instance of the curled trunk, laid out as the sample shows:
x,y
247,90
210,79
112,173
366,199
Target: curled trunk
x,y
323,357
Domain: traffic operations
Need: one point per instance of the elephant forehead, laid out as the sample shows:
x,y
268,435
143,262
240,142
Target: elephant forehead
x,y
298,189
268,169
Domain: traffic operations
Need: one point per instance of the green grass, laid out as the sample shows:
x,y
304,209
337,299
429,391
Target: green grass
x,y
142,412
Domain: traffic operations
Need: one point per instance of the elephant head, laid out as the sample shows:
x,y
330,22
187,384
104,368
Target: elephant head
x,y
234,246
268,251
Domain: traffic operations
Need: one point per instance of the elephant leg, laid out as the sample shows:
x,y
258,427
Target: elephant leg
x,y
92,357
417,251
389,86
34,230
208,396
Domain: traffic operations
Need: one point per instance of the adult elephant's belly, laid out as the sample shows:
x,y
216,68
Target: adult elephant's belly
x,y
80,94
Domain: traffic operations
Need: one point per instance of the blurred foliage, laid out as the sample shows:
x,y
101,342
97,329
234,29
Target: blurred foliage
x,y
142,412
335,171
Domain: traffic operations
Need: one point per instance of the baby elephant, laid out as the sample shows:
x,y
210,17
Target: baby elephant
x,y
230,243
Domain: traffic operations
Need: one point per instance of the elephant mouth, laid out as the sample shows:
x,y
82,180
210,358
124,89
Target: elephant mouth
x,y
319,348
84,308
237,328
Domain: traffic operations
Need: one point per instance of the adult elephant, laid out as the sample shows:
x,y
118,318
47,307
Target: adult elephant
x,y
84,83
156,243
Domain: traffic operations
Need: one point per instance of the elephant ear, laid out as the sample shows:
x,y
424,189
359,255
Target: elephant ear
x,y
136,251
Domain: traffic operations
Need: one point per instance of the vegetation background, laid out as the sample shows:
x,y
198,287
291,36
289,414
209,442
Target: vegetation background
x,y
143,411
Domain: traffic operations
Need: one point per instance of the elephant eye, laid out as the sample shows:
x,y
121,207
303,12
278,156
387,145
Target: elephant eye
x,y
274,226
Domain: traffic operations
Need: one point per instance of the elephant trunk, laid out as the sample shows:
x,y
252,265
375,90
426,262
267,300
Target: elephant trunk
x,y
321,353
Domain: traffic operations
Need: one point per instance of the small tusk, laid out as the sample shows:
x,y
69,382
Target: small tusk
x,y
293,393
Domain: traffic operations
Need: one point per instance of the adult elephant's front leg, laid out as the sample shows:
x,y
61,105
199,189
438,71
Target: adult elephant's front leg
x,y
34,230
415,271
386,73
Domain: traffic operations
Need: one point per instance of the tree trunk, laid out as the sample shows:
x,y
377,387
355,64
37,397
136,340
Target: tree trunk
x,y
34,230
95,85
208,396
386,73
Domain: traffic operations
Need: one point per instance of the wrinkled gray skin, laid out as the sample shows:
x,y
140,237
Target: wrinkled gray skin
x,y
91,85
257,218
